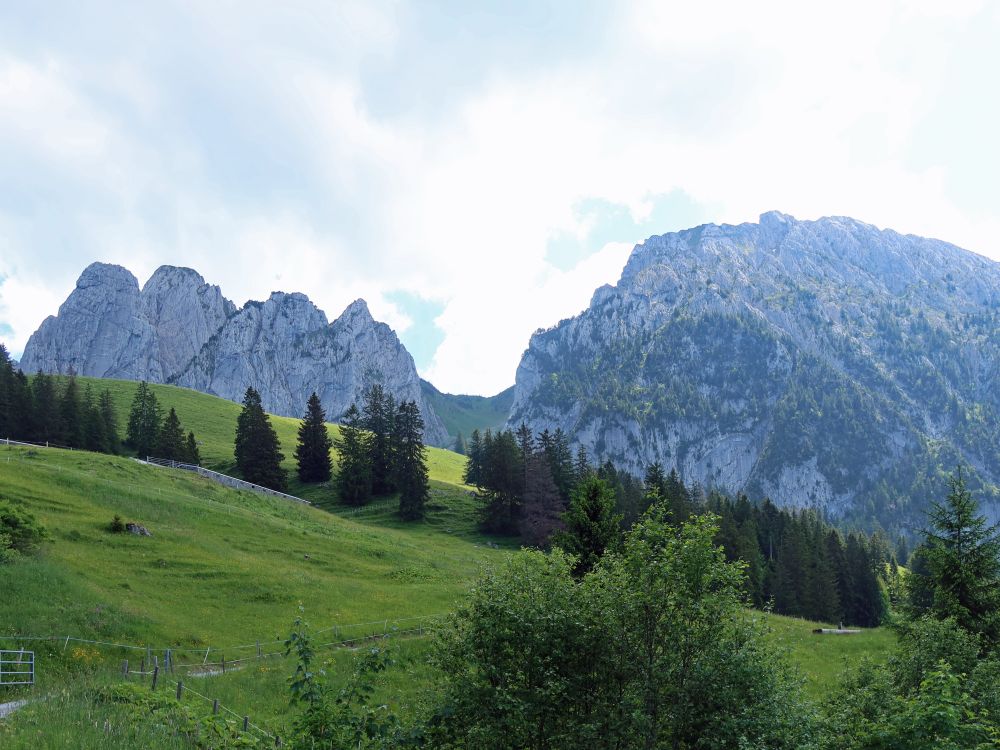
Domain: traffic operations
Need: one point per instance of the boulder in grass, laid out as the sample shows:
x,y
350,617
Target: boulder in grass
x,y
138,529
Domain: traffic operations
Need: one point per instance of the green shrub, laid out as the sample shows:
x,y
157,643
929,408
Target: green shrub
x,y
117,525
20,532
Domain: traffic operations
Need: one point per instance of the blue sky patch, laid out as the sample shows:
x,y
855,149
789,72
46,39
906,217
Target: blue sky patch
x,y
423,337
614,222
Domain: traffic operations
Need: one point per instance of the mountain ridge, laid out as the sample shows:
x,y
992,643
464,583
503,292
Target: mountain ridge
x,y
179,329
776,357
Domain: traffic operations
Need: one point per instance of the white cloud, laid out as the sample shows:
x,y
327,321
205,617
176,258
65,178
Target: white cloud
x,y
270,166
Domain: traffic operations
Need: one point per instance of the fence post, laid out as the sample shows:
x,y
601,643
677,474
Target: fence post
x,y
156,673
125,669
215,707
223,664
258,649
246,723
180,689
142,665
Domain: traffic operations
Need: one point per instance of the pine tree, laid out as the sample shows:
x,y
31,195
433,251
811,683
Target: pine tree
x,y
170,443
473,466
143,421
541,505
95,436
410,461
257,450
6,392
460,447
71,429
313,450
191,453
45,407
354,475
109,420
501,484
378,421
655,479
592,527
561,463
963,558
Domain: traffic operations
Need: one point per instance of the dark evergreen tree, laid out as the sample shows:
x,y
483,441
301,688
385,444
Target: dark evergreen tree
x,y
501,484
45,406
170,442
95,437
257,450
377,419
410,461
312,454
561,464
655,480
143,428
460,447
542,507
473,466
354,474
71,427
592,527
191,453
109,420
963,561
6,392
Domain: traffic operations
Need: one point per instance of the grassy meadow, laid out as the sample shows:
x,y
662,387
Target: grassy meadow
x,y
226,569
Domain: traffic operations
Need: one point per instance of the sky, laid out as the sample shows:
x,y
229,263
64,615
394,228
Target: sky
x,y
474,171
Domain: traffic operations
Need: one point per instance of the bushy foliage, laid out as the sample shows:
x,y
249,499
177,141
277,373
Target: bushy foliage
x,y
653,648
20,532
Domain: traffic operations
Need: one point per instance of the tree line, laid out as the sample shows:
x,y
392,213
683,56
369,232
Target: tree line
x,y
151,433
797,563
381,450
54,410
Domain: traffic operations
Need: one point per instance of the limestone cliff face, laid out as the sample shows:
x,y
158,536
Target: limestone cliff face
x,y
100,330
285,348
179,329
822,363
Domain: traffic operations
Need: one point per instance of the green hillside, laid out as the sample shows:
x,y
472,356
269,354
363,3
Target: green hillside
x,y
461,413
213,421
225,569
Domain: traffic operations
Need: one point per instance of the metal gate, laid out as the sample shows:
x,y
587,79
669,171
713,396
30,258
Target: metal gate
x,y
17,668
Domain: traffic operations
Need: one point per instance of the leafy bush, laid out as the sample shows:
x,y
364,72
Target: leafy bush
x,y
20,532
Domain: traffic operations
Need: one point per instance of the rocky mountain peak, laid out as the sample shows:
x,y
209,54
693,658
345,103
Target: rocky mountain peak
x,y
823,362
180,329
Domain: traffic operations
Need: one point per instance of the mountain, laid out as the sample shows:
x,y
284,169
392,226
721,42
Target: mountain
x,y
824,363
463,414
179,329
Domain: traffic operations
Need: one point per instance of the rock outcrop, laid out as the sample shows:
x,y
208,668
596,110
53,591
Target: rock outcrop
x,y
824,363
179,329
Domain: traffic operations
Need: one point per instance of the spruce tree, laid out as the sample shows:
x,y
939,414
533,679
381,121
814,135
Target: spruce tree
x,y
191,453
963,560
592,526
95,437
109,420
541,515
460,447
143,421
257,450
410,461
313,450
71,428
6,391
354,474
378,421
45,407
473,466
170,443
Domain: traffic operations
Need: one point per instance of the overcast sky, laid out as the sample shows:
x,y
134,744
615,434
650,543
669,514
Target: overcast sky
x,y
474,174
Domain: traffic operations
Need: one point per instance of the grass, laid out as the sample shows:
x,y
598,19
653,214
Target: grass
x,y
225,569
